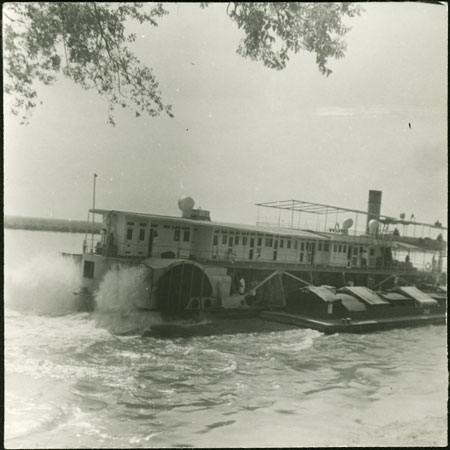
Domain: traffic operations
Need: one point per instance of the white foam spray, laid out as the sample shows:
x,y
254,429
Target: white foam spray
x,y
120,299
43,285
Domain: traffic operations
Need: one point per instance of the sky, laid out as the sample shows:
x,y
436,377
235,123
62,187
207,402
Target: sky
x,y
243,133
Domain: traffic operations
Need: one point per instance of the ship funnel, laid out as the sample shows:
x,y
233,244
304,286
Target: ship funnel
x,y
186,204
374,208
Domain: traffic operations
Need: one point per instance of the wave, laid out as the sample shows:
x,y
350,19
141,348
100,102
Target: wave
x,y
121,299
43,285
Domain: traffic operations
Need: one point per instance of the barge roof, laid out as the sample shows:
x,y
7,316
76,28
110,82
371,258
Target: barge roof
x,y
322,292
419,297
365,294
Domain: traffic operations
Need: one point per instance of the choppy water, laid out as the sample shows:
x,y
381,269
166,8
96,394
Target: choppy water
x,y
71,382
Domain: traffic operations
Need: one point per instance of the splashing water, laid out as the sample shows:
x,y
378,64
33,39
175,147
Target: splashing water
x,y
43,285
123,289
120,299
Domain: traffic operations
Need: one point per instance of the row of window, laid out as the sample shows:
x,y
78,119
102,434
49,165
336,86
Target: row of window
x,y
340,248
269,242
130,234
177,235
326,246
141,231
244,233
230,240
235,240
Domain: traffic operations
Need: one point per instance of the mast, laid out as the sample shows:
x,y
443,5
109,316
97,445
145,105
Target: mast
x,y
93,214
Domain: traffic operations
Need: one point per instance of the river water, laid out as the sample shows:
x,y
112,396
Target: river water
x,y
75,380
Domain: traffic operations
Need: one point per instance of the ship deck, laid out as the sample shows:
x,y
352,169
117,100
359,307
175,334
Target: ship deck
x,y
297,267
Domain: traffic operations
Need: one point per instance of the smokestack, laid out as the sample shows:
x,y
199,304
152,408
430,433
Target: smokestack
x,y
374,207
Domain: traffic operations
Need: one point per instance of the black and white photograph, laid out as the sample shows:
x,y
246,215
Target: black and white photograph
x,y
225,224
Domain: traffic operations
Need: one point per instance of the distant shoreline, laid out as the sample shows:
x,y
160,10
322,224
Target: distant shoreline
x,y
41,224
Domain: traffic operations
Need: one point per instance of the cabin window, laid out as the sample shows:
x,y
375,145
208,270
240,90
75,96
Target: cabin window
x,y
176,235
269,242
326,247
129,234
355,250
302,246
141,235
344,248
224,239
166,226
281,243
143,224
288,243
130,223
295,244
216,240
244,240
88,269
186,235
340,248
236,240
319,246
372,252
335,248
301,257
230,241
259,242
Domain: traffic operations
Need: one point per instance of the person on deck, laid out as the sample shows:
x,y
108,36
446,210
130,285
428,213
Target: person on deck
x,y
241,286
433,264
364,259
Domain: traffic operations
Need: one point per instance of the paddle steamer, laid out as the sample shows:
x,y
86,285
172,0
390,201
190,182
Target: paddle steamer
x,y
286,269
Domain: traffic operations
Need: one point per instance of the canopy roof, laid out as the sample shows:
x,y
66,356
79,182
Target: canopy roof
x,y
322,292
365,295
419,297
319,208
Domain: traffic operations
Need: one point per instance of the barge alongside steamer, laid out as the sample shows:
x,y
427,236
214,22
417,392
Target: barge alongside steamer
x,y
323,279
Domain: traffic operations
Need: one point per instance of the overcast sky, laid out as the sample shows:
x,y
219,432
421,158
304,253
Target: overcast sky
x,y
243,133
